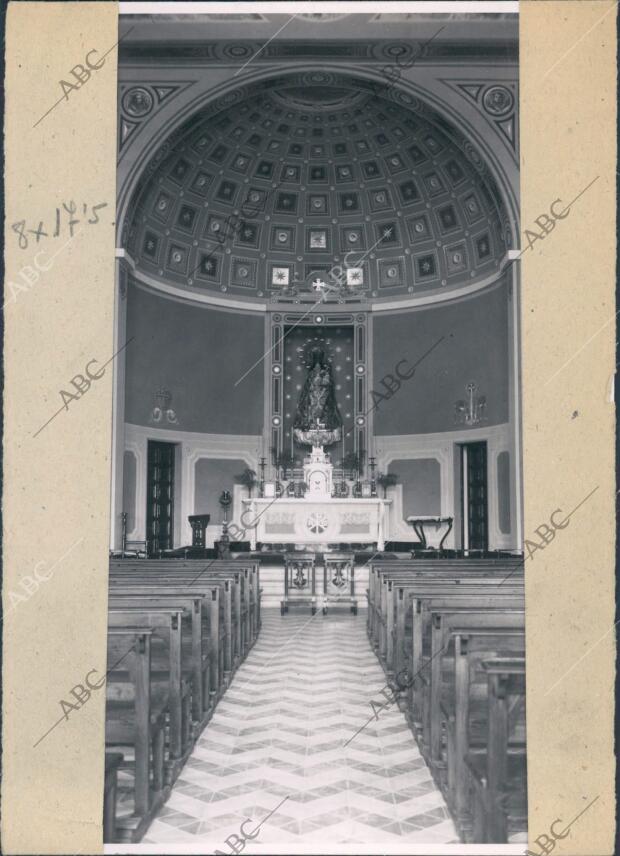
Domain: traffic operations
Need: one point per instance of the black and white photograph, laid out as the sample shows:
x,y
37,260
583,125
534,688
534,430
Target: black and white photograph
x,y
309,462
316,622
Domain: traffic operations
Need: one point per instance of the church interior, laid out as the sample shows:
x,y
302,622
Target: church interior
x,y
316,607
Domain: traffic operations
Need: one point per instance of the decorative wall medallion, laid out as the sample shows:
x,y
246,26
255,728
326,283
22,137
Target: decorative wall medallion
x,y
498,101
137,102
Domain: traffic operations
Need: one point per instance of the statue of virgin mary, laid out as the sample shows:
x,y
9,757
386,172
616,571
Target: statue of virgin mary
x,y
317,409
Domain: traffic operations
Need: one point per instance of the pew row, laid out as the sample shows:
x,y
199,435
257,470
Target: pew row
x,y
443,635
177,631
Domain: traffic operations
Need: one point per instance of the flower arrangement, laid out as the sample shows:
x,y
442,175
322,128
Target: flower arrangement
x,y
386,480
354,462
247,478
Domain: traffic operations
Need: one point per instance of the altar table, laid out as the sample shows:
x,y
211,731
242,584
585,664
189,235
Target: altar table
x,y
312,522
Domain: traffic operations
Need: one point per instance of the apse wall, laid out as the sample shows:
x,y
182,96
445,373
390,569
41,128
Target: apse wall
x,y
194,351
469,342
416,435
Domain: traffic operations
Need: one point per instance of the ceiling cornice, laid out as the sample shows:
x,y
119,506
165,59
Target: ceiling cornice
x,y
237,52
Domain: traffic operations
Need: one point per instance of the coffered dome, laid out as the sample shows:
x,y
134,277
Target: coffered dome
x,y
314,178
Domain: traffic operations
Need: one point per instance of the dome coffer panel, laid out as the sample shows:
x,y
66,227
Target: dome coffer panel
x,y
274,192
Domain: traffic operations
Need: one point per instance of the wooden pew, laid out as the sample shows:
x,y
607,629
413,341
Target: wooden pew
x,y
170,624
113,760
199,655
199,567
380,594
427,610
397,593
227,582
136,725
436,620
499,772
200,619
426,566
455,694
245,591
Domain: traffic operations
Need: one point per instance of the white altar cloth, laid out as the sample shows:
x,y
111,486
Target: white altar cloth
x,y
314,522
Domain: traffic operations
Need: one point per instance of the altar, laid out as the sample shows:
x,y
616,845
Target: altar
x,y
310,522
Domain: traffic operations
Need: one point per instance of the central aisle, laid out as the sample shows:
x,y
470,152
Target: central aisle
x,y
280,730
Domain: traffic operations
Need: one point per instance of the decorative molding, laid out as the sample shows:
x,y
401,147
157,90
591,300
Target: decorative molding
x,y
442,447
138,103
453,52
498,103
185,294
192,447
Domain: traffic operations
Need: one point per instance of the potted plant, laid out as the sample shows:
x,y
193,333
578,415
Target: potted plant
x,y
287,462
386,480
248,479
351,462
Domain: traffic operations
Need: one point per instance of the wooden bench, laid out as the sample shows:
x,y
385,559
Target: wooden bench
x,y
245,588
135,723
171,624
498,772
113,760
427,609
200,620
201,566
397,591
458,694
459,569
204,637
432,629
230,597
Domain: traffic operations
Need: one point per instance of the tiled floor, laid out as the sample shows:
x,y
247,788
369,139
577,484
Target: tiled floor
x,y
278,737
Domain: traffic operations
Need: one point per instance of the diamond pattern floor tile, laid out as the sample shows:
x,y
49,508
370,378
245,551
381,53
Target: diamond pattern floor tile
x,y
283,733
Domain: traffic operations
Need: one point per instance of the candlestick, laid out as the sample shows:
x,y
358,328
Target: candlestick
x,y
262,475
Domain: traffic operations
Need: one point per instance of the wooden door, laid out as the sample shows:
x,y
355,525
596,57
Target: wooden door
x,y
159,497
474,496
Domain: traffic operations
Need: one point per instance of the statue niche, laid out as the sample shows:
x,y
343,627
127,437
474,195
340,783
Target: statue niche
x,y
317,418
318,423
